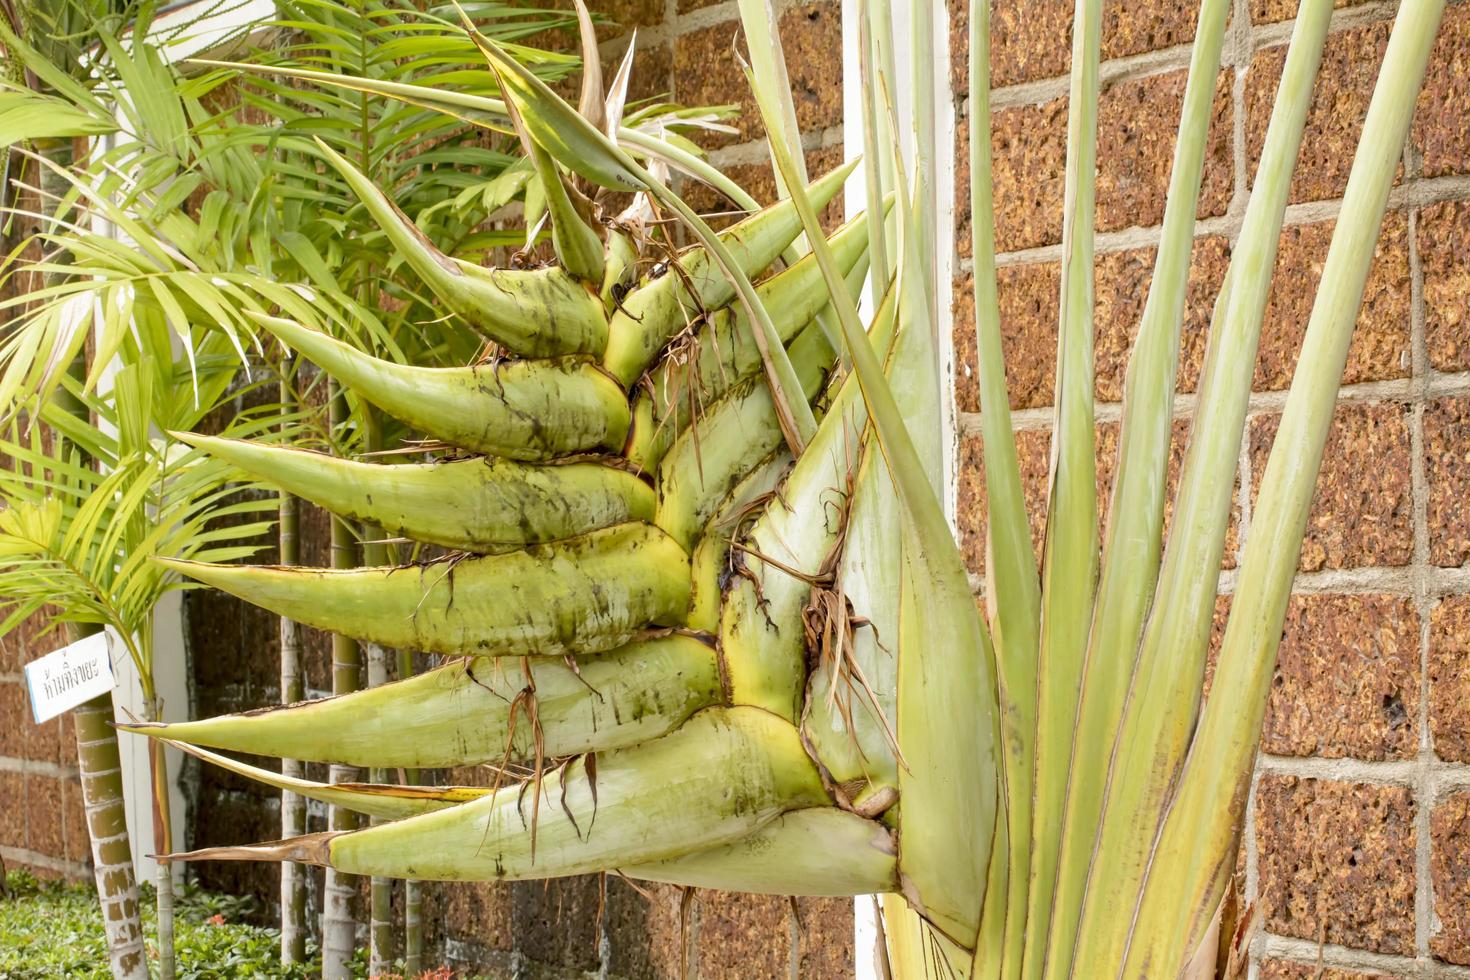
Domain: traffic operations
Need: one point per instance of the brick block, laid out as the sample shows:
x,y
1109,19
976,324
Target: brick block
x,y
1441,130
24,643
1449,870
1107,461
1137,125
1134,28
1380,345
1027,295
67,750
1347,679
74,821
1273,969
557,922
481,912
221,819
1449,678
825,939
1447,473
1029,298
1350,61
1024,41
1028,36
1362,514
15,720
1032,448
1212,658
1029,149
644,929
1337,862
653,67
1444,240
706,72
617,17
627,14
43,742
742,936
12,809
45,816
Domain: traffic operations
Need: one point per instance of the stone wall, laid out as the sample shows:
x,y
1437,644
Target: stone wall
x,y
42,823
1358,833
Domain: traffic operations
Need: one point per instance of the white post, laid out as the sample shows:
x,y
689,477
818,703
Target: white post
x,y
182,32
865,914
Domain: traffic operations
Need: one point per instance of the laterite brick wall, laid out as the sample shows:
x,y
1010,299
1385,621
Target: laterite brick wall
x,y
42,824
1357,845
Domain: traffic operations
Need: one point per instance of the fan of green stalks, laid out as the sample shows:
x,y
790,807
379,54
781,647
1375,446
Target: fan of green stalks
x,y
700,583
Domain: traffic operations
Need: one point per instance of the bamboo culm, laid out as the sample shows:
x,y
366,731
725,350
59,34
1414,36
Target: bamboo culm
x,y
293,689
339,920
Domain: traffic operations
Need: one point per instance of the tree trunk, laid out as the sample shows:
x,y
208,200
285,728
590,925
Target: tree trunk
x,y
339,923
163,880
97,751
107,826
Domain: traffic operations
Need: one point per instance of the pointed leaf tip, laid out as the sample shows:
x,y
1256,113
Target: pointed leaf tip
x,y
314,849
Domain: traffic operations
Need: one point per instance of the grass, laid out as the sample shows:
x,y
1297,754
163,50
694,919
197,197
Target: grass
x,y
54,929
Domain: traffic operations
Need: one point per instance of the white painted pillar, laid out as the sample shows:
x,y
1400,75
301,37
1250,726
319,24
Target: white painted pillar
x,y
185,31
865,921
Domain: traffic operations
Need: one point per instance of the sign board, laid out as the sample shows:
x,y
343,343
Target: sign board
x,y
65,678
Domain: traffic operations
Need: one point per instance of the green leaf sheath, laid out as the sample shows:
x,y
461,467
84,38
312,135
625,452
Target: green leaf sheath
x,y
1069,556
1135,528
710,561
534,313
941,873
727,442
527,410
583,595
762,630
661,307
461,714
725,352
791,855
725,774
484,505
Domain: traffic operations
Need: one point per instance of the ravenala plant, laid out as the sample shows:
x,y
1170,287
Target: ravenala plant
x,y
699,581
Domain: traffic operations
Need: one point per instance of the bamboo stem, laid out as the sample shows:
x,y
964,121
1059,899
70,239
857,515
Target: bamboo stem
x,y
413,926
98,758
163,878
107,826
293,689
339,921
375,553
